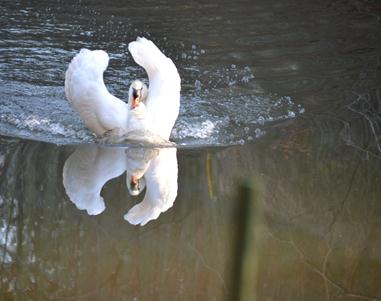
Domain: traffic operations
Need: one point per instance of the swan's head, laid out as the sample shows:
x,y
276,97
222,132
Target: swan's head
x,y
138,93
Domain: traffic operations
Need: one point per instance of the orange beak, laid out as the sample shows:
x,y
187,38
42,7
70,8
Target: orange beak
x,y
135,102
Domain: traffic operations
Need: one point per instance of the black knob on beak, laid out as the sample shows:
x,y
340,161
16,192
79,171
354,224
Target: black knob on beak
x,y
135,93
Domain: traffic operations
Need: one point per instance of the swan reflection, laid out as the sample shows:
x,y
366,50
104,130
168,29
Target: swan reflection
x,y
154,170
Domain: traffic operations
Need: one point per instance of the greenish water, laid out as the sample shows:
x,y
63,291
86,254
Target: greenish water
x,y
320,233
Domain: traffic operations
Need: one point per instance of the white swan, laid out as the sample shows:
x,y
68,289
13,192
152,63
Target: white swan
x,y
103,113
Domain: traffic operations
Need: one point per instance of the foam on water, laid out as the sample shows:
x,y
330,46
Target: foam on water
x,y
226,106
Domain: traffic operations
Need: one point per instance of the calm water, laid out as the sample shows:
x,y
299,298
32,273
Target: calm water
x,y
296,86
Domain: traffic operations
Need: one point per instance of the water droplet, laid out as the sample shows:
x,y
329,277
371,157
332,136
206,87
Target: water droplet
x,y
291,114
197,85
258,133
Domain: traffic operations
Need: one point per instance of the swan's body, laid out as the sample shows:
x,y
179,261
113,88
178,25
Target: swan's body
x,y
102,112
137,119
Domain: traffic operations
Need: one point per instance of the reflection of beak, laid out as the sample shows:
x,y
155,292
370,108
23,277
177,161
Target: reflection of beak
x,y
134,182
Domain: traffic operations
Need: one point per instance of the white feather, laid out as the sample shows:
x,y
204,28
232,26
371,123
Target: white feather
x,y
137,119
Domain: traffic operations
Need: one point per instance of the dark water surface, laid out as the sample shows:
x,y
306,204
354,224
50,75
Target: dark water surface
x,y
296,83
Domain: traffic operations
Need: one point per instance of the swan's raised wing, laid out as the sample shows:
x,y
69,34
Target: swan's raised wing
x,y
163,100
87,93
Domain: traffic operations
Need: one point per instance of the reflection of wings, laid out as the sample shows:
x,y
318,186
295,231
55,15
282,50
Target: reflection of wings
x,y
87,170
161,181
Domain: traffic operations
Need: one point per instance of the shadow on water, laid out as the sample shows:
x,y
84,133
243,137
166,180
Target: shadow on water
x,y
299,83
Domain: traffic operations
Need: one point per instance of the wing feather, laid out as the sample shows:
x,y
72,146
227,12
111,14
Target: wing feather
x,y
163,101
87,93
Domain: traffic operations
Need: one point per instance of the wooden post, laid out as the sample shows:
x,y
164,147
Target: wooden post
x,y
247,248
